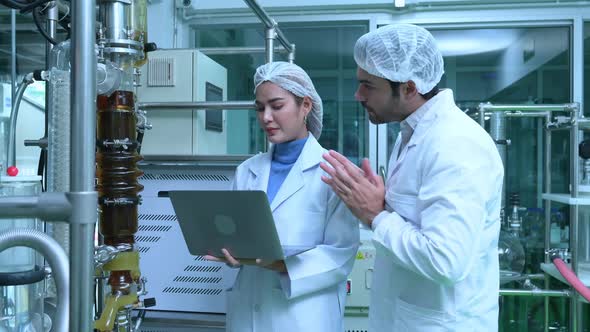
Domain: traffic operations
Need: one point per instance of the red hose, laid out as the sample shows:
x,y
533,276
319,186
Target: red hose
x,y
571,278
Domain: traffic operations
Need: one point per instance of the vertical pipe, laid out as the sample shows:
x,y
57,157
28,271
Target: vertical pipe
x,y
291,56
51,28
482,116
547,208
340,92
575,309
498,132
539,162
270,44
578,38
13,54
83,162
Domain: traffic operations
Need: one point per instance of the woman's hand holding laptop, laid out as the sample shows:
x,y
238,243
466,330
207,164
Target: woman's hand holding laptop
x,y
230,261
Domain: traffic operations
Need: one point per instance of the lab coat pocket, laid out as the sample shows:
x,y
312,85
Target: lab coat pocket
x,y
405,205
410,317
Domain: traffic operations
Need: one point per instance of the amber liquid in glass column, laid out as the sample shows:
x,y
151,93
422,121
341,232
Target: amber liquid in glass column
x,y
117,170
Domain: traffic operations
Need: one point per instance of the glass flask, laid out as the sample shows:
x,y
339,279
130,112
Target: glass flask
x,y
511,256
21,274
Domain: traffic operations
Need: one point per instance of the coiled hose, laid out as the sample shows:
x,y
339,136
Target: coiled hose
x,y
570,276
58,261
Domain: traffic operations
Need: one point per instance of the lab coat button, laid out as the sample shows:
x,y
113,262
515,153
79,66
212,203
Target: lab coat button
x,y
257,307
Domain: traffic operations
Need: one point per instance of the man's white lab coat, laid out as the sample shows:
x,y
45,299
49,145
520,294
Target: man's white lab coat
x,y
436,265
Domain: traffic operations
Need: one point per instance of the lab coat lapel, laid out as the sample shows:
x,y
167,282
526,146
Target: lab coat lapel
x,y
310,156
259,172
421,129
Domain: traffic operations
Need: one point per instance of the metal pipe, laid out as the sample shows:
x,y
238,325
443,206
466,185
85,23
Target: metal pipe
x,y
534,107
113,14
58,260
238,50
533,276
291,56
261,13
270,44
535,292
13,54
209,105
269,23
541,114
482,117
547,207
52,12
11,151
574,210
47,206
83,101
498,133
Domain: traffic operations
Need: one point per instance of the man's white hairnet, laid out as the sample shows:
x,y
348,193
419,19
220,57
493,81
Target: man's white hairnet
x,y
292,78
400,53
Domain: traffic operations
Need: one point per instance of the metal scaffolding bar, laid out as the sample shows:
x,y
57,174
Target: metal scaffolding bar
x,y
532,107
209,105
269,23
238,50
535,292
83,106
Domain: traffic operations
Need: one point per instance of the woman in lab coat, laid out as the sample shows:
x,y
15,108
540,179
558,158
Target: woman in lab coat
x,y
305,292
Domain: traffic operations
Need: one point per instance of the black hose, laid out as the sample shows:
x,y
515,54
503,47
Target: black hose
x,y
37,20
22,278
33,5
41,168
14,4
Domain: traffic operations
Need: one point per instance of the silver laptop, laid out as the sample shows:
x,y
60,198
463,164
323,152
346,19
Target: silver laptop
x,y
240,221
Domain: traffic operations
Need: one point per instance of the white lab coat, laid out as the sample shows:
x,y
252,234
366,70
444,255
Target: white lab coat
x,y
436,266
311,296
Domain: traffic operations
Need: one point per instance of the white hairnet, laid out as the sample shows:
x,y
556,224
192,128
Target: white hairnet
x,y
292,78
400,53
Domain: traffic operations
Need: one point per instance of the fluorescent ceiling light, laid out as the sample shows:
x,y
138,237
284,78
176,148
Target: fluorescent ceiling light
x,y
466,42
399,3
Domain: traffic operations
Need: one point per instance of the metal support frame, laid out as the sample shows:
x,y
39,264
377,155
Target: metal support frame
x,y
575,305
272,32
534,292
13,54
238,50
575,123
81,203
83,124
208,105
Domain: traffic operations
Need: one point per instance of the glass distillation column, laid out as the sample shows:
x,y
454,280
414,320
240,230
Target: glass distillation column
x,y
121,38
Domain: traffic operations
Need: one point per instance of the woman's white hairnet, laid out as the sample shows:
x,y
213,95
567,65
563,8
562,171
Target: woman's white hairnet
x,y
292,78
400,53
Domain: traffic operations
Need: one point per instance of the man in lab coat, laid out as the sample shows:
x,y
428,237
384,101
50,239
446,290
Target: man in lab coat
x,y
436,220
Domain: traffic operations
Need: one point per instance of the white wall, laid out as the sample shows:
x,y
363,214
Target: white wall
x,y
161,25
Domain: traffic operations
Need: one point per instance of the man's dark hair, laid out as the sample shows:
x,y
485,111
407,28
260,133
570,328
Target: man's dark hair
x,y
395,90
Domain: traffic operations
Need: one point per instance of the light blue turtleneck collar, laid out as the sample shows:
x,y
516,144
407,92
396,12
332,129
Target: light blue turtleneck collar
x,y
283,158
